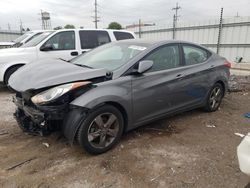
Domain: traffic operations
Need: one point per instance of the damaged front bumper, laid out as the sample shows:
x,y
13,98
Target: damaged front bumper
x,y
39,119
42,120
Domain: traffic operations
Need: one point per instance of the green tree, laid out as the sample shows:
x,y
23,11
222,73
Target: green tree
x,y
68,26
28,29
58,27
114,25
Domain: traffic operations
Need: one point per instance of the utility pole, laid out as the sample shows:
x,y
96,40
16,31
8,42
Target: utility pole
x,y
220,29
96,17
21,26
174,27
175,18
9,27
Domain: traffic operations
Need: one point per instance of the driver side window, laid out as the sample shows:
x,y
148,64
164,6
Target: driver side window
x,y
165,57
62,41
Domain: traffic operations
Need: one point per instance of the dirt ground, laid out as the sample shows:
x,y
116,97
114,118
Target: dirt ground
x,y
193,149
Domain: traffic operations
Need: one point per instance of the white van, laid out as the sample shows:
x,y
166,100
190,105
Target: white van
x,y
64,44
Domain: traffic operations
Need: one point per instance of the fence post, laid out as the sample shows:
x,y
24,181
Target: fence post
x,y
174,25
220,30
139,28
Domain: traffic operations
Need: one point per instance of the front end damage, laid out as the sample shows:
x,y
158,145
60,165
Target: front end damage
x,y
40,120
43,120
43,96
59,114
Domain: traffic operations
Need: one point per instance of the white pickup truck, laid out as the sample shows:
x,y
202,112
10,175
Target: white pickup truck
x,y
64,44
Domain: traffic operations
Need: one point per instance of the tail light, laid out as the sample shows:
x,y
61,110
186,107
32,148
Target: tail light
x,y
227,64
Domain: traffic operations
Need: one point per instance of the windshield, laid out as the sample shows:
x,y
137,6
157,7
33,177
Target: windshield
x,y
110,56
35,41
24,36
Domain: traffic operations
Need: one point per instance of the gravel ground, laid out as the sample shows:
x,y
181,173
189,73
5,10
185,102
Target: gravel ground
x,y
193,149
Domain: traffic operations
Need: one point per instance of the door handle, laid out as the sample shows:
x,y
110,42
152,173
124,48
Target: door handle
x,y
180,76
74,53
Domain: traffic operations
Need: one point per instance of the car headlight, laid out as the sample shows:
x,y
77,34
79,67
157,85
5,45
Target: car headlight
x,y
56,92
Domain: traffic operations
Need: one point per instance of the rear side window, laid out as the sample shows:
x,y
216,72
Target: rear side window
x,y
194,55
92,39
123,35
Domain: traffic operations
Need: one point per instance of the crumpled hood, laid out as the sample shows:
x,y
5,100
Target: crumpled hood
x,y
46,73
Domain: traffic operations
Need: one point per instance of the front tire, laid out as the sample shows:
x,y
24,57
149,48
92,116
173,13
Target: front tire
x,y
214,98
101,130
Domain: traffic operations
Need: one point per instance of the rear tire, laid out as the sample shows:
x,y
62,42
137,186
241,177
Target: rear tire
x,y
214,98
9,73
101,130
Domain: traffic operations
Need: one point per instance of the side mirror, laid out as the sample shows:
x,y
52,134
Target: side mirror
x,y
144,65
46,47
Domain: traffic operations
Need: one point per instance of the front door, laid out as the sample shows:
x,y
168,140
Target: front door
x,y
157,91
63,45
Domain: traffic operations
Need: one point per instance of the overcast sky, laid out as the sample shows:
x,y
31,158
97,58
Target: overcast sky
x,y
80,12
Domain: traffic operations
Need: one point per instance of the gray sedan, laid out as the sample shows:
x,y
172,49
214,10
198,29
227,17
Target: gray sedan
x,y
115,88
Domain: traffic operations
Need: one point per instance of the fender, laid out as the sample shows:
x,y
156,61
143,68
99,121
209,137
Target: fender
x,y
114,91
223,77
5,66
118,91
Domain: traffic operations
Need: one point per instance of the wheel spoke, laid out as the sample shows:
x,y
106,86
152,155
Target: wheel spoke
x,y
112,132
98,120
111,120
93,136
217,92
213,103
102,142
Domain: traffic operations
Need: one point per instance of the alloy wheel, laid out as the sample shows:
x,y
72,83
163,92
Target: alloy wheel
x,y
215,97
103,130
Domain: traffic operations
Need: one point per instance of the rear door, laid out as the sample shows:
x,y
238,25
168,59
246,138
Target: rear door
x,y
195,76
63,46
160,89
90,39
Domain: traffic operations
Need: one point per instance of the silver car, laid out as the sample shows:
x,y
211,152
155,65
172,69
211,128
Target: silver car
x,y
117,87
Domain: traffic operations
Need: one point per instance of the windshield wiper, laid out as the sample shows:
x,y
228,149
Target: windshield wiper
x,y
86,66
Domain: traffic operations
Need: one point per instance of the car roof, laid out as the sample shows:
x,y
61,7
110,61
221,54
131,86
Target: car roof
x,y
157,42
93,29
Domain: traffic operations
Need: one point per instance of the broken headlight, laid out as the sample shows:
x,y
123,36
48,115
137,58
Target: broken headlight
x,y
56,92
